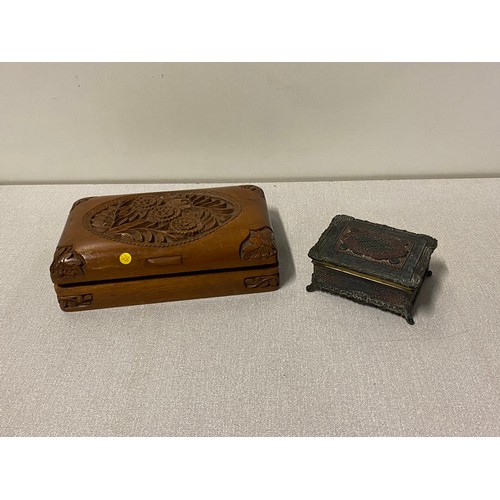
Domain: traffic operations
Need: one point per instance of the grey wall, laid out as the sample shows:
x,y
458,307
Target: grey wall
x,y
247,121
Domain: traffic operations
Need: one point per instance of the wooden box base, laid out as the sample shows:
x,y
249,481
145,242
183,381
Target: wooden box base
x,y
165,289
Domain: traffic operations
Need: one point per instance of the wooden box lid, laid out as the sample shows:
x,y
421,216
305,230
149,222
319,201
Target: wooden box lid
x,y
148,234
374,250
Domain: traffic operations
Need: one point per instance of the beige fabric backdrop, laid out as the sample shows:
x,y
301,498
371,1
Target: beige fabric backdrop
x,y
234,122
282,363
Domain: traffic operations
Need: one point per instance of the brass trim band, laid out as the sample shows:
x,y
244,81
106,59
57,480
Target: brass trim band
x,y
363,276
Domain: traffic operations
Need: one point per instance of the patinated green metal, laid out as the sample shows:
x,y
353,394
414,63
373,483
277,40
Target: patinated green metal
x,y
372,264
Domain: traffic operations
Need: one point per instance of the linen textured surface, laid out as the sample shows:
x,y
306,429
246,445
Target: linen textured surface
x,y
285,363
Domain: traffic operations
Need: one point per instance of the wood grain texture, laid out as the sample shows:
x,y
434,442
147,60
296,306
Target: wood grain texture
x,y
166,289
196,243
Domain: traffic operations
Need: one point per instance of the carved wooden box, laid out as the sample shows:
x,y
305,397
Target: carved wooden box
x,y
155,247
372,264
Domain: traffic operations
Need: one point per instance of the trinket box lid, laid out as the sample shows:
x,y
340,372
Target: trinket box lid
x,y
151,234
375,250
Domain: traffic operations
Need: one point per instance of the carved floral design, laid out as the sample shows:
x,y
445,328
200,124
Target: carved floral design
x,y
161,219
262,281
188,224
75,301
145,202
258,245
375,246
67,263
163,213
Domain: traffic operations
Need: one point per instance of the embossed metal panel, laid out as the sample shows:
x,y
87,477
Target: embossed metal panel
x,y
371,263
375,249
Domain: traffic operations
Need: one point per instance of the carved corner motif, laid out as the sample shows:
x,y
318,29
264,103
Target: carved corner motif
x,y
67,263
258,245
262,281
75,301
81,200
255,189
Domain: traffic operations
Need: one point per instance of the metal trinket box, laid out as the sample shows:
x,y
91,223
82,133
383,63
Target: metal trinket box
x,y
372,264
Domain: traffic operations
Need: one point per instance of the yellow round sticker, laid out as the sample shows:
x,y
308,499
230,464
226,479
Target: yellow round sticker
x,y
125,258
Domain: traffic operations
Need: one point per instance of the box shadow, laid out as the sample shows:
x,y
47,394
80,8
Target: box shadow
x,y
286,264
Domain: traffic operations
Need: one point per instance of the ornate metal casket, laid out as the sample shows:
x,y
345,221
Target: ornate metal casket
x,y
155,247
372,264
